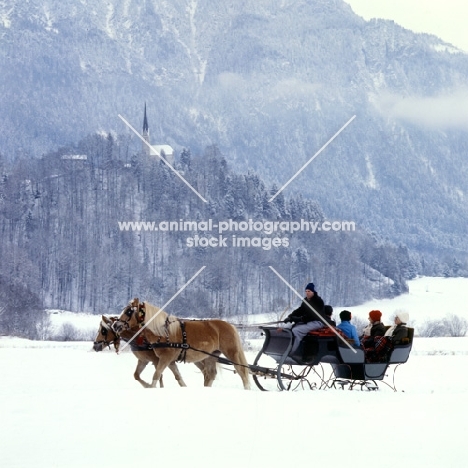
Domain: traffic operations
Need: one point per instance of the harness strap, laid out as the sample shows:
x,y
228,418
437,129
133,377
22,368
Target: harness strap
x,y
183,353
254,326
168,344
184,346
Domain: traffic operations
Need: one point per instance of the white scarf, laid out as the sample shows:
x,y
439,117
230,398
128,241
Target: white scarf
x,y
367,330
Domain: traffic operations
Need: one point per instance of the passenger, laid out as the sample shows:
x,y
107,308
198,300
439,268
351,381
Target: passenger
x,y
398,331
379,349
348,328
328,312
375,327
305,319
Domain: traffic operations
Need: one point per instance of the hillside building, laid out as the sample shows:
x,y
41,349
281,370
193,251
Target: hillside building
x,y
165,151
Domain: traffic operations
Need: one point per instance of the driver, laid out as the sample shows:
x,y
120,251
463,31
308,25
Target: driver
x,y
305,318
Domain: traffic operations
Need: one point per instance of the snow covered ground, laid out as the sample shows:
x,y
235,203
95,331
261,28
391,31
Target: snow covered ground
x,y
428,298
67,406
82,323
63,405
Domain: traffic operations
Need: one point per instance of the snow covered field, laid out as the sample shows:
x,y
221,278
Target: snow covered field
x,y
63,405
428,298
67,406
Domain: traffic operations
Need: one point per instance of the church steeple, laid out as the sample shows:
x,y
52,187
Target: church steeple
x,y
145,134
164,151
145,122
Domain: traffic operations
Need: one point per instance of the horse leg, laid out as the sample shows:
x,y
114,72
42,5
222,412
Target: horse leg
x,y
237,357
161,383
141,365
164,360
243,371
175,371
209,369
201,366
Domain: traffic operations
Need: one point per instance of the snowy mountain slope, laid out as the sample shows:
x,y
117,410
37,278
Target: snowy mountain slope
x,y
268,82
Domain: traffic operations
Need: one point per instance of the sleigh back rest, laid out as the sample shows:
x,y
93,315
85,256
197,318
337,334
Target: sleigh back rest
x,y
278,342
348,355
401,351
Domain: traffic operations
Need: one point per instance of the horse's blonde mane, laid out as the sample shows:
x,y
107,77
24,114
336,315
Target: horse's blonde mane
x,y
158,324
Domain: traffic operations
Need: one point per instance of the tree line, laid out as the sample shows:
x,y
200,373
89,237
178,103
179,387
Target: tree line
x,y
62,246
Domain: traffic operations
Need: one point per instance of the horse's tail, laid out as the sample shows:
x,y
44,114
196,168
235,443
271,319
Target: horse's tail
x,y
238,356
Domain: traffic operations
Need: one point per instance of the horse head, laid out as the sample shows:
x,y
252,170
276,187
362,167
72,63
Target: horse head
x,y
133,316
106,335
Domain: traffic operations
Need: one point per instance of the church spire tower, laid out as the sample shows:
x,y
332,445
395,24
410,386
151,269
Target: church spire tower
x,y
145,134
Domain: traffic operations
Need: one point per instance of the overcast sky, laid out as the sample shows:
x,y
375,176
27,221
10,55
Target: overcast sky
x,y
446,19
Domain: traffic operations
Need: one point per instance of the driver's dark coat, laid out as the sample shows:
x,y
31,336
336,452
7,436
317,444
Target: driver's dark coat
x,y
305,314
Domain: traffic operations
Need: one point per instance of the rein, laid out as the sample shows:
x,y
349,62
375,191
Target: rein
x,y
253,326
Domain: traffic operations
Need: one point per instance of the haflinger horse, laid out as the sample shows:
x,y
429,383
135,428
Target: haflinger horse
x,y
174,339
107,336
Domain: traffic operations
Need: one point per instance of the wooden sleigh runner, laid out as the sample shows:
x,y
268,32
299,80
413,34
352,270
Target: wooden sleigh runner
x,y
348,366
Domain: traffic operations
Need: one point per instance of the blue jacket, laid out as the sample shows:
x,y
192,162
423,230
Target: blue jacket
x,y
350,331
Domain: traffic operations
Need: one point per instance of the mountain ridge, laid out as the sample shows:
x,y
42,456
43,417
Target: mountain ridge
x,y
269,83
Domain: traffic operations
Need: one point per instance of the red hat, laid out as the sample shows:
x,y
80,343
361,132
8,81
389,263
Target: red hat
x,y
375,315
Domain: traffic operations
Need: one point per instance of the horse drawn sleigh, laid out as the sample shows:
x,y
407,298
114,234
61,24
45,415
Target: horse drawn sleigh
x,y
326,360
322,352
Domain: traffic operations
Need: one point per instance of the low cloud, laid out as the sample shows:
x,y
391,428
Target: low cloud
x,y
444,112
